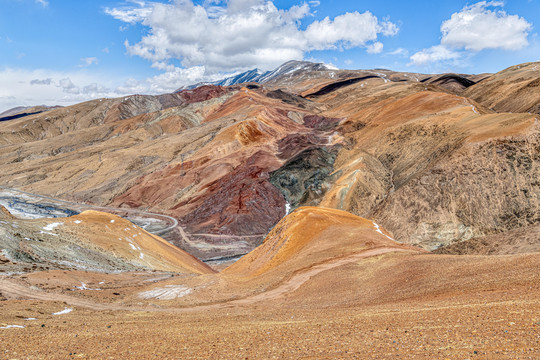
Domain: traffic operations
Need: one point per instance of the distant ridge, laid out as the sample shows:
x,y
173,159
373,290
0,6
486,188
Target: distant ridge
x,y
258,76
22,111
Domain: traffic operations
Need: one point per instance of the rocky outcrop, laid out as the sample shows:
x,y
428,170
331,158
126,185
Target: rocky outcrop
x,y
303,179
483,188
522,240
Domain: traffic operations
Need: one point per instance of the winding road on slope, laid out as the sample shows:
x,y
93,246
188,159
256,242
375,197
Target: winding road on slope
x,y
16,290
172,222
302,276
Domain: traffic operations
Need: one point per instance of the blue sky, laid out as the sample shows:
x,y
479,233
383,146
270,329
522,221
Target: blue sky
x,y
67,51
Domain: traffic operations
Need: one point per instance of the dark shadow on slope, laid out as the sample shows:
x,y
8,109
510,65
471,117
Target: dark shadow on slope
x,y
338,85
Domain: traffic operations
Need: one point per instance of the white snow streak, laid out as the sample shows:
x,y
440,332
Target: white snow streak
x,y
84,287
63,312
12,327
287,208
51,226
378,229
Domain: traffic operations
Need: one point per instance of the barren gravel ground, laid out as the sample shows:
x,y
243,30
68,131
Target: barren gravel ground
x,y
423,315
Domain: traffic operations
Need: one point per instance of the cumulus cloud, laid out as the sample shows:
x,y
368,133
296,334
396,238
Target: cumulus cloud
x,y
477,27
348,30
434,54
375,48
242,34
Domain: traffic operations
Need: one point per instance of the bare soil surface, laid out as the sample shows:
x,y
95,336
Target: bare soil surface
x,y
325,284
469,319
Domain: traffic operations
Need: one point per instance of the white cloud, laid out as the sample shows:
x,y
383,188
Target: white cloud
x,y
130,14
85,62
47,81
175,78
434,54
44,3
22,87
131,86
95,90
241,34
475,28
399,52
375,48
348,30
68,86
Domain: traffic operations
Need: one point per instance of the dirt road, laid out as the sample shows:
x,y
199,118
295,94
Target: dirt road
x,y
11,289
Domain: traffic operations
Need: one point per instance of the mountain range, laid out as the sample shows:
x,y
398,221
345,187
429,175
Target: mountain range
x,y
337,213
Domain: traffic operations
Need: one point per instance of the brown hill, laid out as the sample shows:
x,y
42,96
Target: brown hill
x,y
311,235
516,89
93,241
